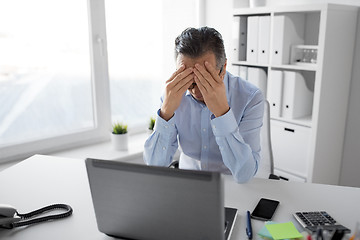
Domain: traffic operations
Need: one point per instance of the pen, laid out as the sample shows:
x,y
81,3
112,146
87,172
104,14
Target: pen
x,y
248,226
319,234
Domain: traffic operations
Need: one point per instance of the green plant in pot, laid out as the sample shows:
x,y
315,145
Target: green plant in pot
x,y
119,136
119,128
151,124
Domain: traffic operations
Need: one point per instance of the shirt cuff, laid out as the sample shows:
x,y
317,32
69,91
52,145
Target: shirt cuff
x,y
224,124
163,126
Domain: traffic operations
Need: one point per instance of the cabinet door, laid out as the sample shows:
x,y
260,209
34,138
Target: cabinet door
x,y
289,176
291,144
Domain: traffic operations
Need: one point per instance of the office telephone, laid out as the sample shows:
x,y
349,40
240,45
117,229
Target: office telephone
x,y
11,218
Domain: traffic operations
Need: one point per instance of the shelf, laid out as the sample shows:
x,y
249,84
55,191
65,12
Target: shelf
x,y
290,8
303,121
251,11
307,67
249,64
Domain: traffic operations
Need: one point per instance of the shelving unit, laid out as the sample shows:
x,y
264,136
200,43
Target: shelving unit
x,y
307,135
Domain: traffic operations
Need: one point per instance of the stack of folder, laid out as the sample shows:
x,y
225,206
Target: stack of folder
x,y
251,37
239,38
288,95
258,43
288,30
287,91
258,77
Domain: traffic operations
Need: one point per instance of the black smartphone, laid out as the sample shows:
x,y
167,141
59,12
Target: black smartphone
x,y
265,209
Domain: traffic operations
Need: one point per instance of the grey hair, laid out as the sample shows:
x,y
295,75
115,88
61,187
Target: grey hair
x,y
194,42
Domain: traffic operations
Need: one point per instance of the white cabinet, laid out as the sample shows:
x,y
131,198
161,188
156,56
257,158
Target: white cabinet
x,y
291,143
306,52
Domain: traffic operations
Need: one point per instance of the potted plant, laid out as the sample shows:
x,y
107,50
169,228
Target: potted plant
x,y
119,136
151,124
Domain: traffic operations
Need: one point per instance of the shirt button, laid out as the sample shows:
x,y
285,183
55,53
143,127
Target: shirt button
x,y
204,129
164,148
166,126
214,127
205,147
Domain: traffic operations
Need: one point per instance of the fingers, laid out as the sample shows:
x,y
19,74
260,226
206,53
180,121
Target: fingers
x,y
204,77
181,68
180,76
201,85
213,71
175,88
180,83
182,79
185,83
201,72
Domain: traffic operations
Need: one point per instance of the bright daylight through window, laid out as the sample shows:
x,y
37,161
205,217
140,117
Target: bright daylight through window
x,y
55,59
45,74
140,38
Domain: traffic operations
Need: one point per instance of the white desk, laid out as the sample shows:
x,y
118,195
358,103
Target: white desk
x,y
43,180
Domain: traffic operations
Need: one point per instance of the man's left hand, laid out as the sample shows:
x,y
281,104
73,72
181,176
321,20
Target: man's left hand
x,y
212,88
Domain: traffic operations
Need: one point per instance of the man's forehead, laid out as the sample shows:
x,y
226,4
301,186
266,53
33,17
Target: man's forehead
x,y
191,61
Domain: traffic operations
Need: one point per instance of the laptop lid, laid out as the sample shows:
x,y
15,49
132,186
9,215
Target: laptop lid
x,y
147,202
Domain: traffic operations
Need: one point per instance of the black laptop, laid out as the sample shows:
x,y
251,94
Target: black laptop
x,y
134,201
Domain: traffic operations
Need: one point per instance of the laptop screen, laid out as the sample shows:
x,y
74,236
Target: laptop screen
x,y
147,202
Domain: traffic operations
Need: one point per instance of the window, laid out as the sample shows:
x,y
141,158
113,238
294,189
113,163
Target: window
x,y
56,59
45,75
141,53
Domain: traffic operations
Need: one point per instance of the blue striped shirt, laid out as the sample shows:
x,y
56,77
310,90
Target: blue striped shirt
x,y
229,144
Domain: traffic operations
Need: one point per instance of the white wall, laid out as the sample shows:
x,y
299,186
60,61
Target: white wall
x,y
219,16
350,172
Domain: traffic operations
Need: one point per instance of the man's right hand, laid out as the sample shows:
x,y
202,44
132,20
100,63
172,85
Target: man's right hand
x,y
175,88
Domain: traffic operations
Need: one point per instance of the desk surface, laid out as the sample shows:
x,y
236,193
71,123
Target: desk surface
x,y
43,180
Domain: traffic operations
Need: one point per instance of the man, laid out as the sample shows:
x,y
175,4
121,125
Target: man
x,y
215,116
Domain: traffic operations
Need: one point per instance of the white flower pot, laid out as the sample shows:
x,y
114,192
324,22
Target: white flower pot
x,y
119,141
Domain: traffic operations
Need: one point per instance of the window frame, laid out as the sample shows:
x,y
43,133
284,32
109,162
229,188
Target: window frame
x,y
100,97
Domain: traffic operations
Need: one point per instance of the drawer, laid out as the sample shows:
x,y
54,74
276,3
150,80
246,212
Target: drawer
x,y
289,176
291,147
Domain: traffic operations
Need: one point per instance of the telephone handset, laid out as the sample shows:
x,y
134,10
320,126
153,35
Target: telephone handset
x,y
6,210
10,218
7,214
